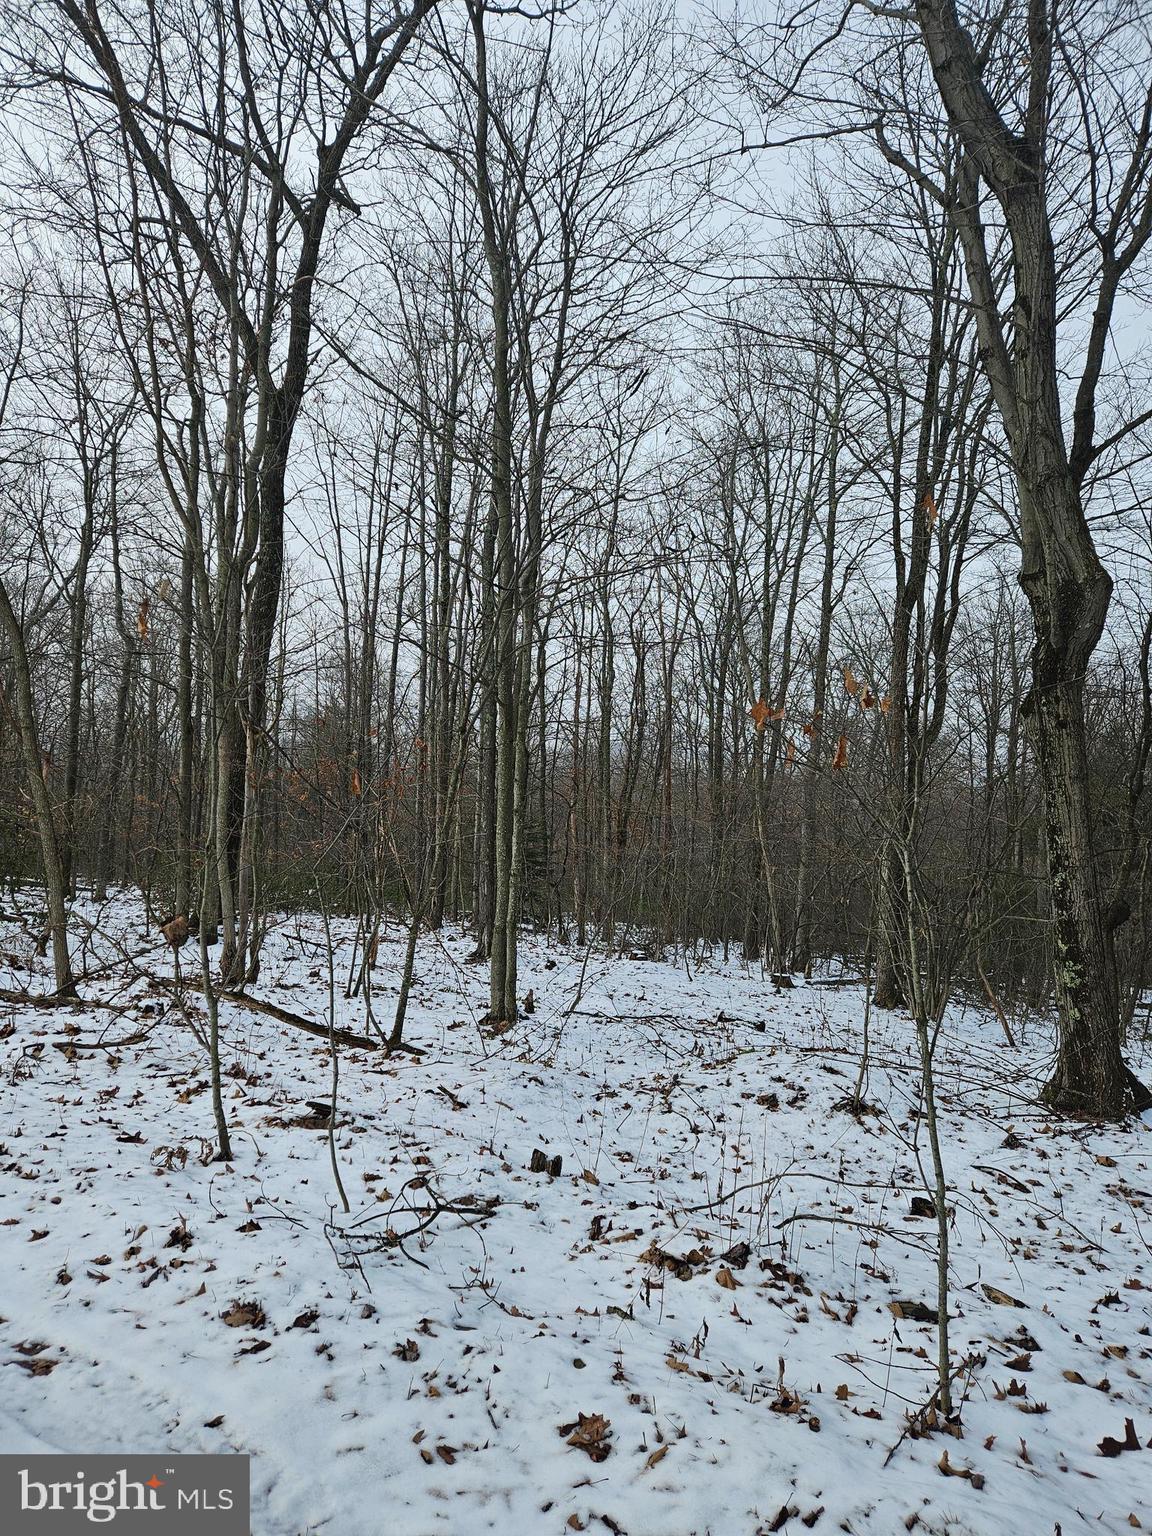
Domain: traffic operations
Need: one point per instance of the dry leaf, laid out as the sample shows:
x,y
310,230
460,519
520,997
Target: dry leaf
x,y
590,1434
1001,1298
41,1366
244,1314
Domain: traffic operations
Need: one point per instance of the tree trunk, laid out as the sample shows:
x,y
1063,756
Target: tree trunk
x,y
1090,1077
55,877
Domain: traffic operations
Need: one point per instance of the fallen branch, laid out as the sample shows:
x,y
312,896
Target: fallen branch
x,y
73,1043
994,1004
286,1016
55,1000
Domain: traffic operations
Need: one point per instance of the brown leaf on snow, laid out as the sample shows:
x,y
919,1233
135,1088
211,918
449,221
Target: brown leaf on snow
x,y
657,1456
41,1366
590,1433
913,1311
1001,1298
680,1267
738,1256
244,1314
945,1466
726,1279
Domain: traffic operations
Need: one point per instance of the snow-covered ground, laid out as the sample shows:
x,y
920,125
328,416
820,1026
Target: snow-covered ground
x,y
689,1330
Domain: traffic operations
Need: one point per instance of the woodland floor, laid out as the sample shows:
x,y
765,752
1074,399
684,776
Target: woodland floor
x,y
383,1383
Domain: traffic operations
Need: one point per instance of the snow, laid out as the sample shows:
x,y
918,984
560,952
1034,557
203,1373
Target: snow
x,y
419,1387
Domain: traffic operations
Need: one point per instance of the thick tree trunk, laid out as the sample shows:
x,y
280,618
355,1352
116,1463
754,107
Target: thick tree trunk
x,y
504,915
1090,1076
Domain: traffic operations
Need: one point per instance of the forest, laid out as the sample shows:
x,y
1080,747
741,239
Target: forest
x,y
623,530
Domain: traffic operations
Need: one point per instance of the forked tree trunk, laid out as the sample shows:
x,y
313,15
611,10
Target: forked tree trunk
x,y
1067,587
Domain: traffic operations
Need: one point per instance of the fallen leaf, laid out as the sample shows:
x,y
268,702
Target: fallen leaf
x,y
590,1434
1001,1298
244,1314
41,1366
